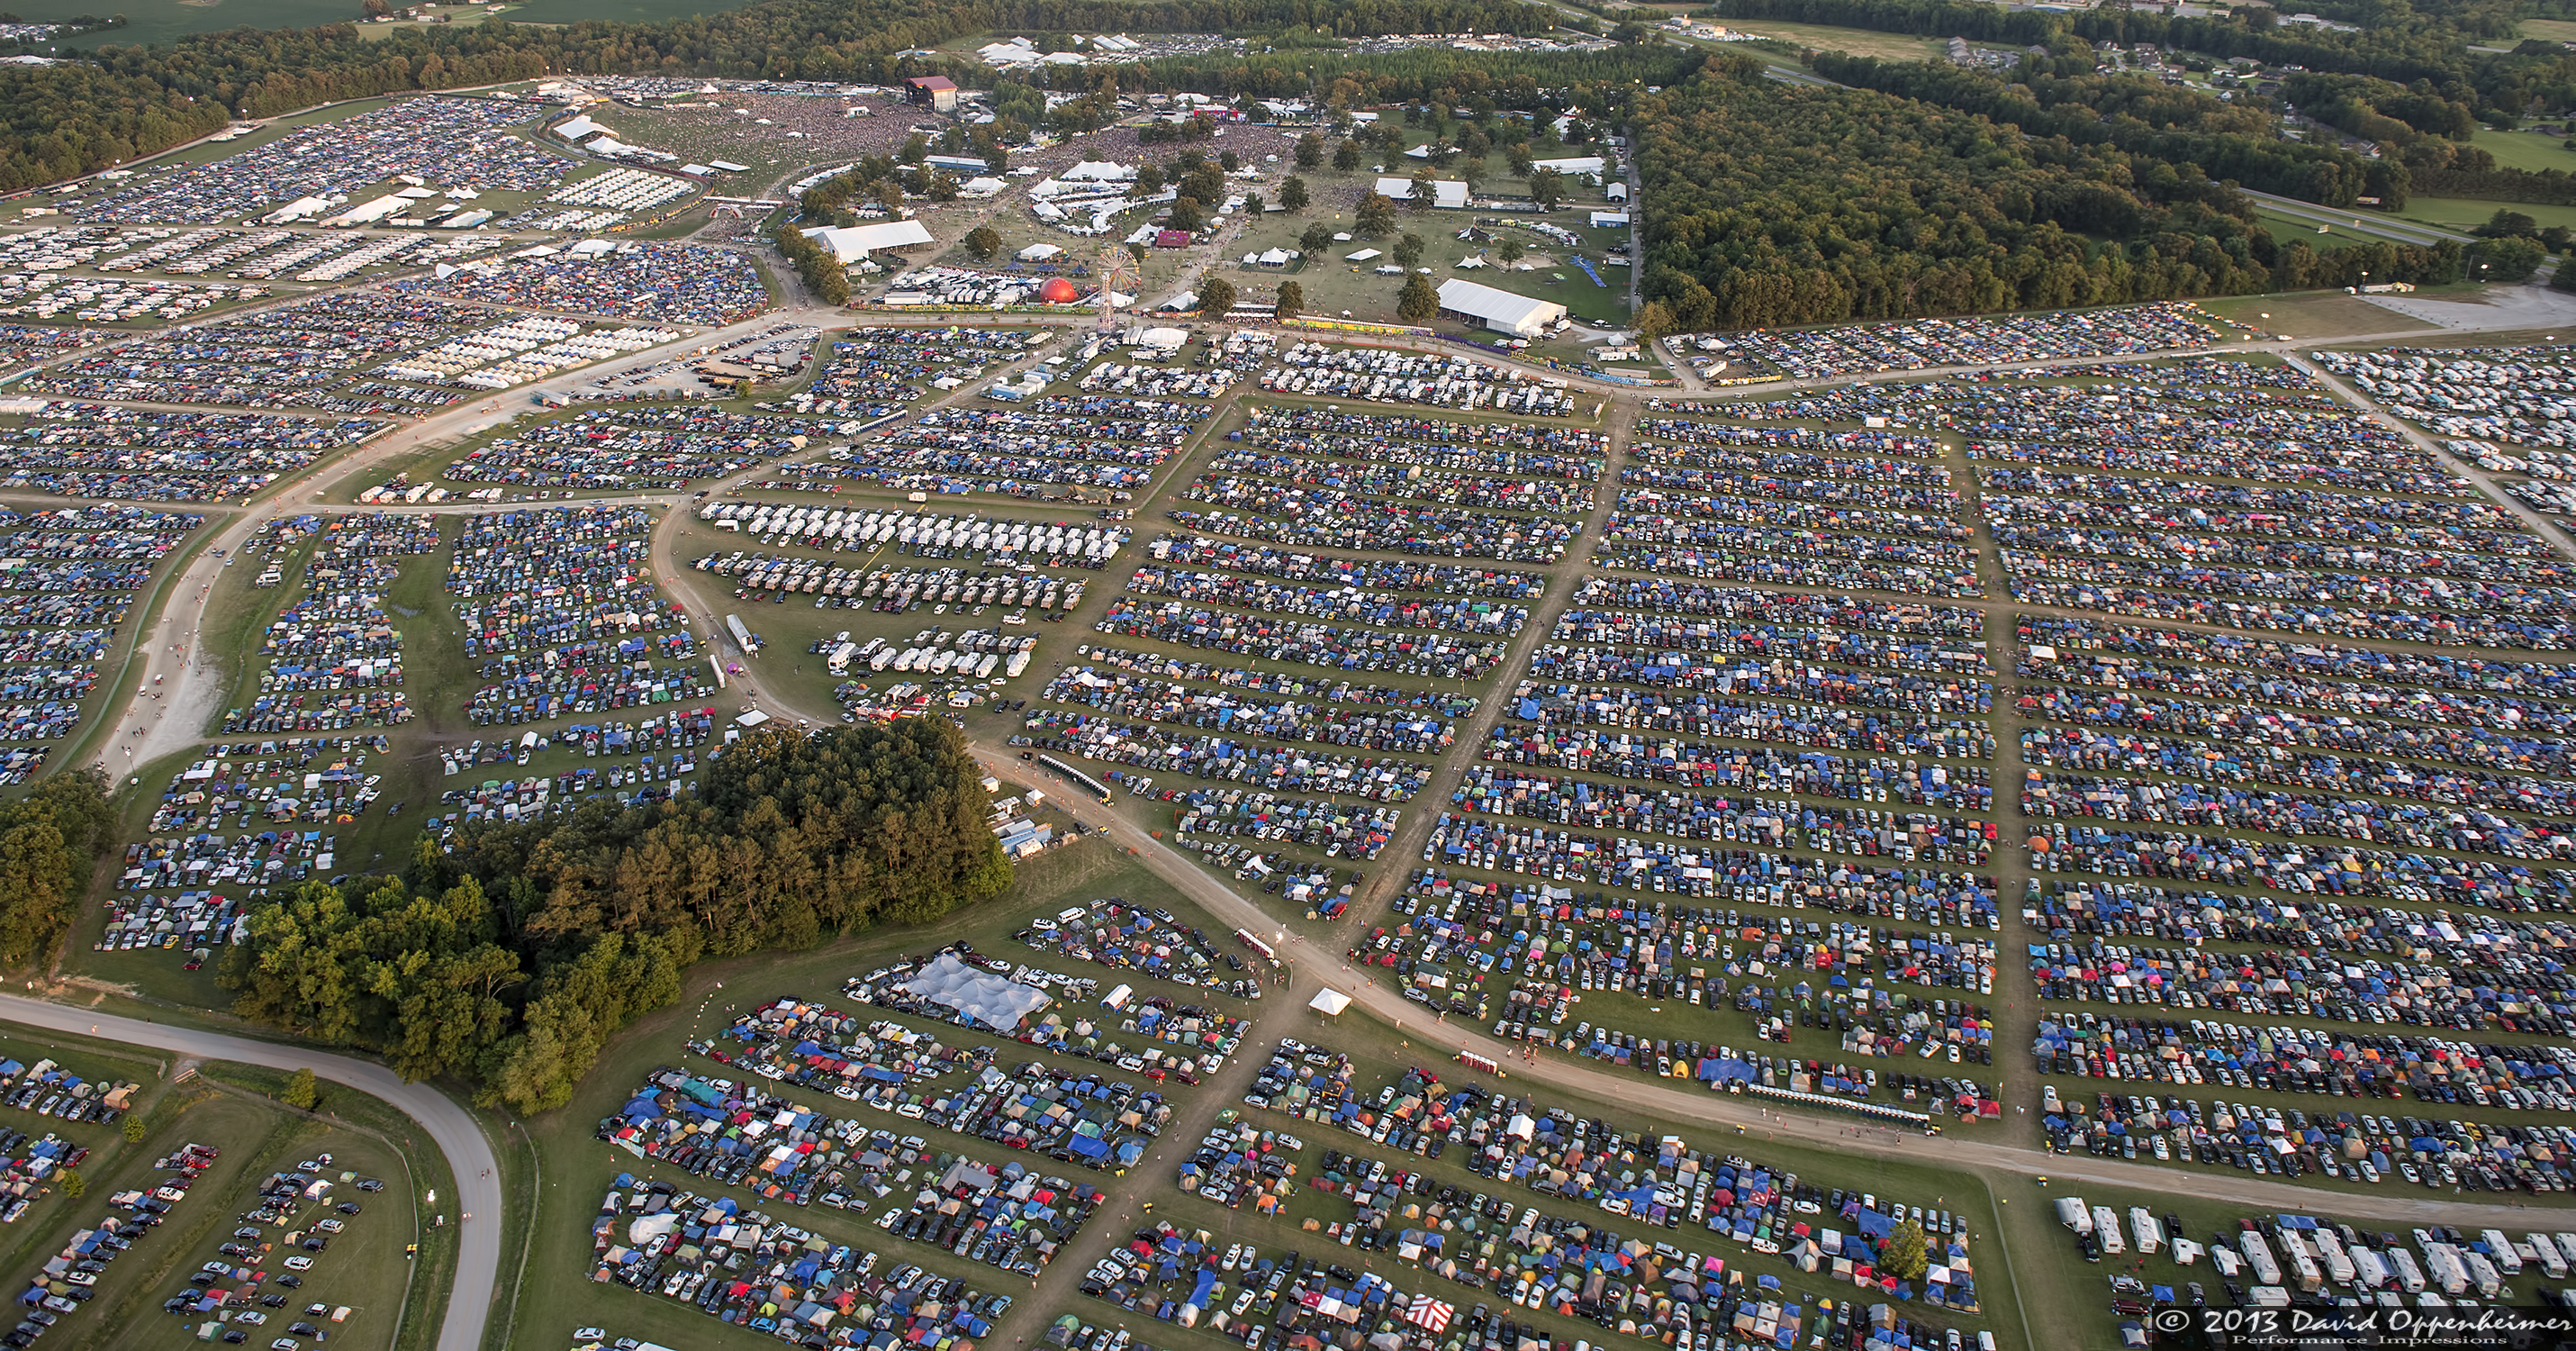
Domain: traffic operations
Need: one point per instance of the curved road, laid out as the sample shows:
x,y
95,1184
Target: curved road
x,y
1567,1071
450,1127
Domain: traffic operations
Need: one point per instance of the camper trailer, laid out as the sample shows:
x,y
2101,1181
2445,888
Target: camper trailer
x,y
2072,1213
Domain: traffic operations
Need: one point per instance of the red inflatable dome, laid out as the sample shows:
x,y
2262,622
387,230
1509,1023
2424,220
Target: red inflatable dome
x,y
1058,291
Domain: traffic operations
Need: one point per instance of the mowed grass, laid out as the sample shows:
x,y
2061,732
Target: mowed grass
x,y
2550,30
161,21
622,11
2285,229
2465,213
1855,41
2313,314
2526,150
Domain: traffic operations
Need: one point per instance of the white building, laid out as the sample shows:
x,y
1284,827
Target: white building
x,y
1447,195
1501,311
851,243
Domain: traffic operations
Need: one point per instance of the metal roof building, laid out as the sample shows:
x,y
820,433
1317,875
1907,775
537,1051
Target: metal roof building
x,y
1496,309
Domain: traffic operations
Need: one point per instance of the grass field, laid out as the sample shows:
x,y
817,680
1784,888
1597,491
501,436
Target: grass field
x,y
2465,213
1855,41
2315,314
2287,228
2550,30
2526,150
624,11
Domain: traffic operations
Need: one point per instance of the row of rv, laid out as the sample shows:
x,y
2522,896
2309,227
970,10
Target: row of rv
x,y
1091,545
1009,655
2303,1254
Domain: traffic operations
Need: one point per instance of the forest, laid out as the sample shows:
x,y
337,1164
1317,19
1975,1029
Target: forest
x,y
509,960
50,841
1770,204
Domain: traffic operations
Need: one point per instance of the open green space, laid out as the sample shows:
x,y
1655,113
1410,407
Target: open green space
x,y
621,11
1856,41
2313,314
163,21
2468,213
2529,151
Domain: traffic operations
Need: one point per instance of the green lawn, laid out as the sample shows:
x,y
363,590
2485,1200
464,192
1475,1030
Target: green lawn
x,y
2526,150
1855,41
2465,213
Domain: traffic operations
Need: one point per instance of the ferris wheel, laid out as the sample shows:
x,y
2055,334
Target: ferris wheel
x,y
1118,275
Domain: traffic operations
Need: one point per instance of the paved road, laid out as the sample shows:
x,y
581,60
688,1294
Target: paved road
x,y
450,1127
2367,223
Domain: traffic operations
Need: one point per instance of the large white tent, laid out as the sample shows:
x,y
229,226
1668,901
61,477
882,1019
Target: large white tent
x,y
1329,1001
978,994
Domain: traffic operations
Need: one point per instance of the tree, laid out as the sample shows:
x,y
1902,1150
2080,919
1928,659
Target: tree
x,y
1185,213
301,1090
1419,195
1417,303
48,843
1216,296
1654,320
2506,224
1346,156
1903,1255
1253,205
1547,188
1408,250
1377,214
1316,241
2509,260
1149,180
983,242
1292,194
1310,151
133,1129
1229,161
916,148
376,9
1510,249
1292,300
73,1186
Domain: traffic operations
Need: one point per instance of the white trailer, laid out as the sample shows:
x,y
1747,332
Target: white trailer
x,y
2401,1264
2072,1213
2145,1230
2258,1255
2106,1230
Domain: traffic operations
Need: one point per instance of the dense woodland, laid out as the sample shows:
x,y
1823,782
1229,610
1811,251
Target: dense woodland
x,y
1771,204
510,961
50,841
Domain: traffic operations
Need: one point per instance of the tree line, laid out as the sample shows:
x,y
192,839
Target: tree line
x,y
50,842
508,960
1769,204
